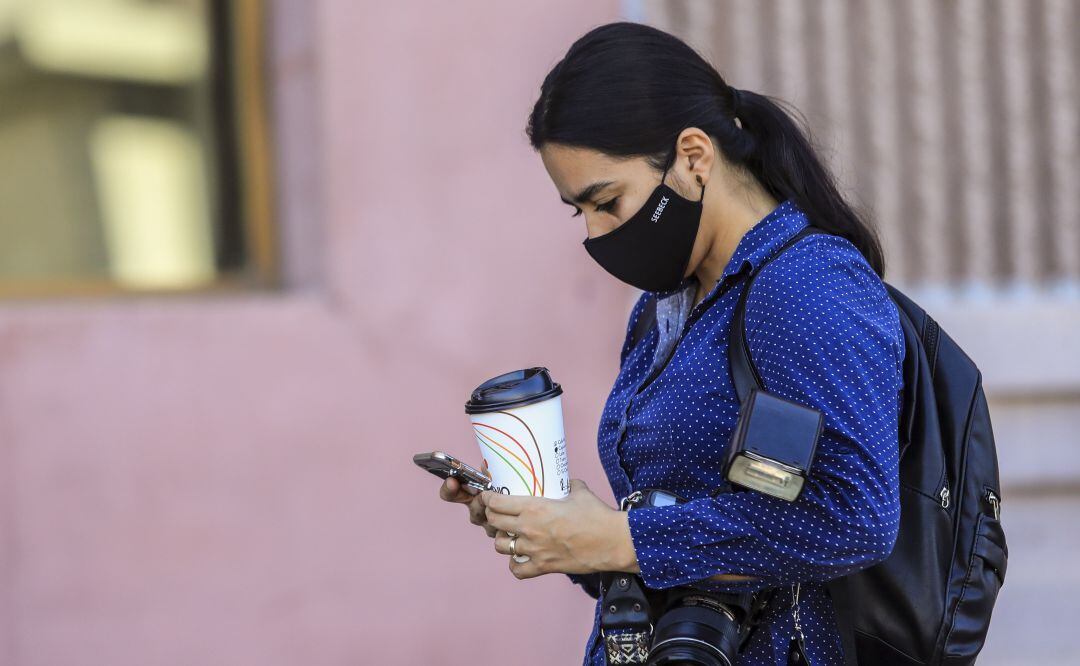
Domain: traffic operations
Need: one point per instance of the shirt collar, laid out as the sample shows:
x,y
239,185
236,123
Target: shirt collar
x,y
766,236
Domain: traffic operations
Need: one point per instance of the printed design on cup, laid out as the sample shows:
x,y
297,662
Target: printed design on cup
x,y
498,441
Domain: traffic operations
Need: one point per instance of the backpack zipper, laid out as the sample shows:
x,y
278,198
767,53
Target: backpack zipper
x,y
995,502
944,496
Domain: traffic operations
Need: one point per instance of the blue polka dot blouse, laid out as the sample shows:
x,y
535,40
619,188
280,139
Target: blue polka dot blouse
x,y
823,332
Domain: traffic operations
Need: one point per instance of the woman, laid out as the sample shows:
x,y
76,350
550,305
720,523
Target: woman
x,y
686,184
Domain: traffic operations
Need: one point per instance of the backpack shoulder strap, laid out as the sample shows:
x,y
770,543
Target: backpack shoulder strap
x,y
743,373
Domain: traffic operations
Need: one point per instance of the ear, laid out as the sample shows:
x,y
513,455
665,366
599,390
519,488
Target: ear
x,y
695,148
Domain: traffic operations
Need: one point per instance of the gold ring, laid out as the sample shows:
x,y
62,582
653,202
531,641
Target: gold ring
x,y
513,545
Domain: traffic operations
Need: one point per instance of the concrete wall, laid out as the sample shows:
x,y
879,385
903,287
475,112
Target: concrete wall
x,y
227,479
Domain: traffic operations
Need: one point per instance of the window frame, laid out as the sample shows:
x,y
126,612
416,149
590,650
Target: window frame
x,y
241,26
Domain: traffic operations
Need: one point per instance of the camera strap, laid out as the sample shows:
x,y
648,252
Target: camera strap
x,y
797,647
759,604
625,625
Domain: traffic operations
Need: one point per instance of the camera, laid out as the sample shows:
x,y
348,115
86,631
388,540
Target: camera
x,y
706,628
680,625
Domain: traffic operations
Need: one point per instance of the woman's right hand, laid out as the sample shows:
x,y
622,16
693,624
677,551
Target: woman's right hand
x,y
453,491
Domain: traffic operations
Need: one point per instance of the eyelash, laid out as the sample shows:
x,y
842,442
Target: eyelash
x,y
604,207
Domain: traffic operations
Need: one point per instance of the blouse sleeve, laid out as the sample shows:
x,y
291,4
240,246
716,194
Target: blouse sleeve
x,y
823,332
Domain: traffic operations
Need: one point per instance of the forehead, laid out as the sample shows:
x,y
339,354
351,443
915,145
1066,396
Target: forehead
x,y
574,169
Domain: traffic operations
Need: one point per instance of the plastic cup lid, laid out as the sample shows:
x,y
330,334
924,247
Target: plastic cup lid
x,y
513,389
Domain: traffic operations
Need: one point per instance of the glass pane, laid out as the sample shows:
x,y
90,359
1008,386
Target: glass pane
x,y
119,160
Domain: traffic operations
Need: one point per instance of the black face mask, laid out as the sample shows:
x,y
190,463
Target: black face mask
x,y
651,249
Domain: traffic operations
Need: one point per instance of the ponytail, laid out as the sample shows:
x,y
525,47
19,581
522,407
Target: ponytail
x,y
781,158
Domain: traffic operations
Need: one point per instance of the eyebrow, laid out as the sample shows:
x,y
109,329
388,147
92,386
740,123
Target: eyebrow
x,y
589,192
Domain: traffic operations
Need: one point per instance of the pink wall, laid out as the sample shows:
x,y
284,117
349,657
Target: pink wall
x,y
227,479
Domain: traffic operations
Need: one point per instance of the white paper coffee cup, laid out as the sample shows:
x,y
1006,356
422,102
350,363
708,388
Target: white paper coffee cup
x,y
517,421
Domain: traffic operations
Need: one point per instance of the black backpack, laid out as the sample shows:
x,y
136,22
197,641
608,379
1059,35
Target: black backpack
x,y
929,602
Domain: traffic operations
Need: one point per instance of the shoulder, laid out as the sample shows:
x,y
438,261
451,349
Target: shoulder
x,y
823,289
820,268
823,331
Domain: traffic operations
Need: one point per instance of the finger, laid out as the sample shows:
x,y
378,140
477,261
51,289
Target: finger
x,y
527,569
503,522
491,531
461,492
476,513
502,544
449,489
508,504
477,518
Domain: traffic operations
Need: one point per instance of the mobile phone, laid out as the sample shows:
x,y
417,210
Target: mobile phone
x,y
445,465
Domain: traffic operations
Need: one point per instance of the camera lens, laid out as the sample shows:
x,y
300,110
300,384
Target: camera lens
x,y
697,630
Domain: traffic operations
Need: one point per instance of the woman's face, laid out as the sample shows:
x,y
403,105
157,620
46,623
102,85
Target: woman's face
x,y
607,190
604,190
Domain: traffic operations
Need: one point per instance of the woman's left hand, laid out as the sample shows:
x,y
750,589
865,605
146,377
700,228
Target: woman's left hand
x,y
577,534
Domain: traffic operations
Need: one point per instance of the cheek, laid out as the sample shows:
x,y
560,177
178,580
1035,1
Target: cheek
x,y
601,225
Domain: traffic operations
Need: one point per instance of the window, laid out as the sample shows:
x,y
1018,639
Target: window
x,y
133,148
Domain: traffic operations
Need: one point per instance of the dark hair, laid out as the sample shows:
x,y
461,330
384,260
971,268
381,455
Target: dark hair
x,y
628,89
